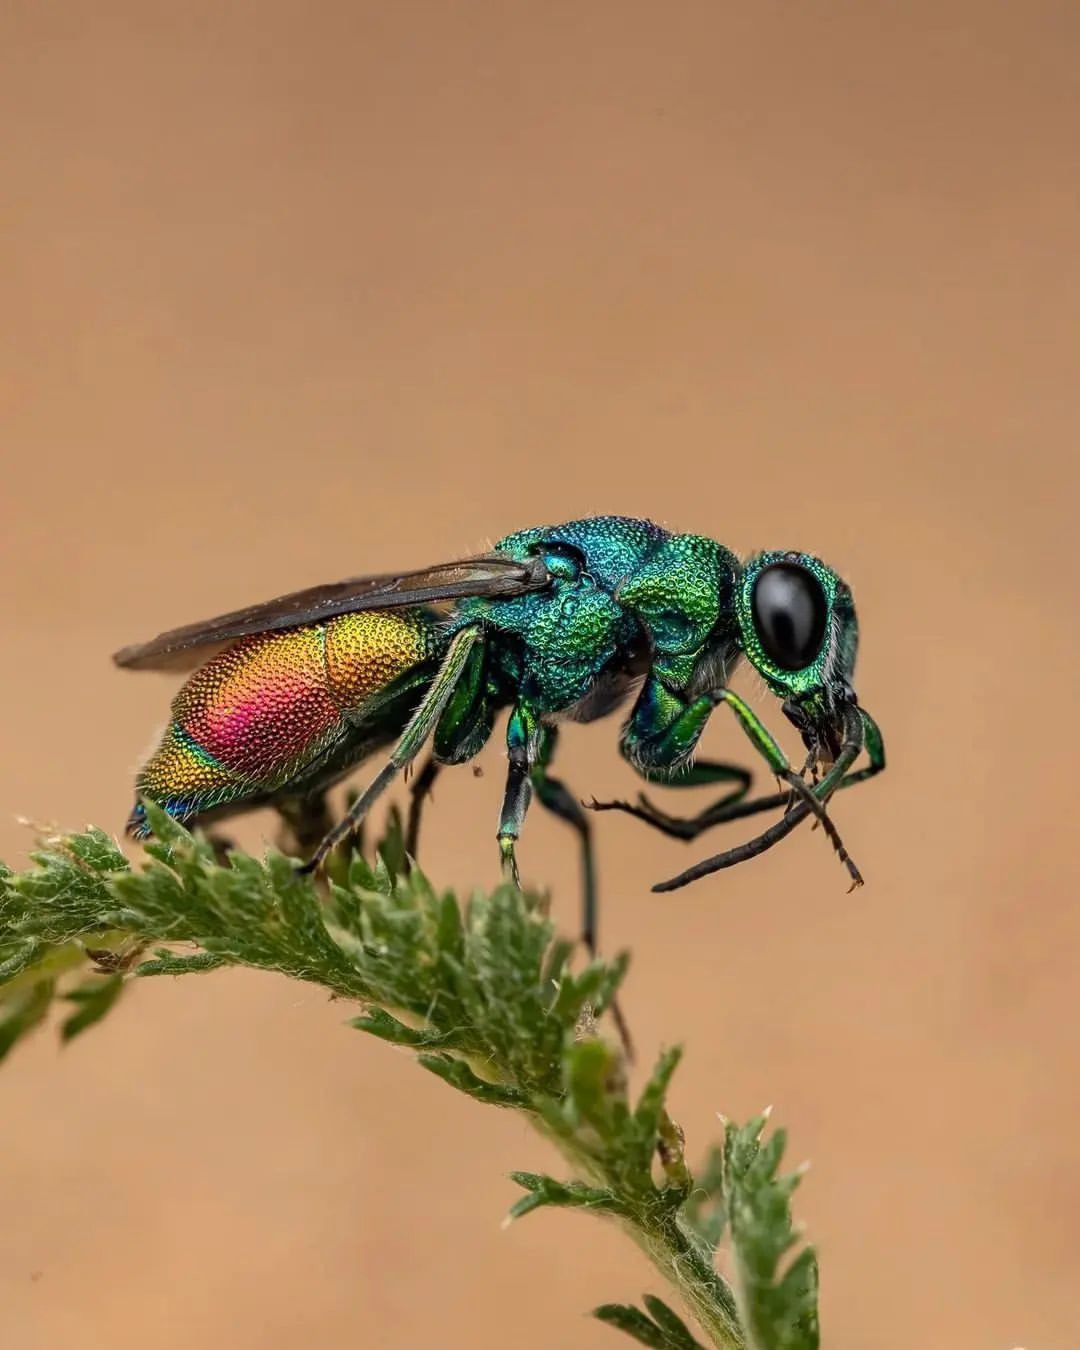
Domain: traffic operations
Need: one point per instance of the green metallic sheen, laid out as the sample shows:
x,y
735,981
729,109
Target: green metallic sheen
x,y
628,613
633,611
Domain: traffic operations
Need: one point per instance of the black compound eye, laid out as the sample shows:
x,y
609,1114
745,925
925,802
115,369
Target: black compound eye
x,y
790,613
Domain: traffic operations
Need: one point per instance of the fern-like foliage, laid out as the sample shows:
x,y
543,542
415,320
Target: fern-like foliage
x,y
489,1000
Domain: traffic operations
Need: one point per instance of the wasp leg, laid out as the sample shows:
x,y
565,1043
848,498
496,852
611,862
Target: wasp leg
x,y
736,808
700,774
861,731
689,827
461,732
220,843
418,795
664,728
304,821
553,794
421,725
657,742
814,798
522,740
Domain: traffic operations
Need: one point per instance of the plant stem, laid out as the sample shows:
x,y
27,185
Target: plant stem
x,y
665,1242
488,999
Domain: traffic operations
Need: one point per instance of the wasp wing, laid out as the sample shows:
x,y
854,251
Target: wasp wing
x,y
492,574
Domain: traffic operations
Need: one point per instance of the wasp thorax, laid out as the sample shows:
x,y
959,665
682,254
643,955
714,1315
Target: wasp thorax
x,y
790,613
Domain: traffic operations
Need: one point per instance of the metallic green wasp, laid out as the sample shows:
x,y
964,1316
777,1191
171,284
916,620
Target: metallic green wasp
x,y
556,624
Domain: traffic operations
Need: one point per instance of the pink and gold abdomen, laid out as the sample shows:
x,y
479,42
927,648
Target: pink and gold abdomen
x,y
256,715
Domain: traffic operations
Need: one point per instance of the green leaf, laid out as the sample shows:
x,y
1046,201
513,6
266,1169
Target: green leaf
x,y
449,932
97,851
544,1190
705,1209
377,1022
664,1329
21,1012
594,1083
391,848
458,1074
779,1306
166,830
486,997
634,1322
93,1000
594,988
673,1327
19,955
172,963
650,1105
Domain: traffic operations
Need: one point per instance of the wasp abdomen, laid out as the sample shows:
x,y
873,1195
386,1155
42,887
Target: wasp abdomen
x,y
255,716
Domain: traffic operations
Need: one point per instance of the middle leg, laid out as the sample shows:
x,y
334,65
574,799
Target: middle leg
x,y
700,774
860,731
419,791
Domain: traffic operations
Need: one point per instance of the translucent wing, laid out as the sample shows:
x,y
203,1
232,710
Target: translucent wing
x,y
491,575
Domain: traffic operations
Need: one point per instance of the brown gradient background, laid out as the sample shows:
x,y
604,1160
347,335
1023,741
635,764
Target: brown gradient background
x,y
292,292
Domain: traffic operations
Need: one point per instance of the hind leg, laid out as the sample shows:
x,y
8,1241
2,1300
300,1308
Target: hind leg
x,y
553,794
419,792
303,822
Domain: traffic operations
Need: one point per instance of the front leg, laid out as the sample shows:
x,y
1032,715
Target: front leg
x,y
661,735
522,752
860,732
664,728
658,741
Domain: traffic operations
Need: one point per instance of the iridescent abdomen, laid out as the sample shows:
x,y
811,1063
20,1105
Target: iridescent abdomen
x,y
267,709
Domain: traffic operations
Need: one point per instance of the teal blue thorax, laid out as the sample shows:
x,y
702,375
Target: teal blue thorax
x,y
623,591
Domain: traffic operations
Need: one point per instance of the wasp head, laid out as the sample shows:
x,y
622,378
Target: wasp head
x,y
799,631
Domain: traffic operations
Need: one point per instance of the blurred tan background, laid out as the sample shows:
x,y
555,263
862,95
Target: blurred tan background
x,y
292,292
